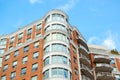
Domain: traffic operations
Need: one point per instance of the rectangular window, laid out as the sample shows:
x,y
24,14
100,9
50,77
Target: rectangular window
x,y
26,48
23,71
38,27
35,55
46,74
11,47
24,60
75,60
13,74
47,49
16,53
3,42
1,61
46,61
7,57
14,64
76,71
34,77
36,44
20,35
3,77
34,67
5,67
29,31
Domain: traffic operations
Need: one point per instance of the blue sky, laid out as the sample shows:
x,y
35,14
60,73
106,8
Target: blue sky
x,y
97,20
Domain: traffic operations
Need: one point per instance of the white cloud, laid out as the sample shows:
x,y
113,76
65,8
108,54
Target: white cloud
x,y
108,39
35,1
68,5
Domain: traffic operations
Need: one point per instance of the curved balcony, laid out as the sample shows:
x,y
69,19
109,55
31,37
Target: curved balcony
x,y
82,42
82,51
101,59
57,79
86,71
103,68
105,76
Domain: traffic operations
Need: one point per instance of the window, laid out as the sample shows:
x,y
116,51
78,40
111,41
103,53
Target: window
x,y
1,61
23,71
19,44
58,17
29,31
59,72
47,19
12,39
26,49
35,55
7,57
46,62
20,35
24,60
36,44
2,51
76,71
75,60
34,77
47,49
74,49
13,74
46,74
14,64
38,27
11,47
16,53
34,67
3,42
59,59
3,77
5,67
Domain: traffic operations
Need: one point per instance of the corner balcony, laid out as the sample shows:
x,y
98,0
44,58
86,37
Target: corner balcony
x,y
101,59
86,71
104,76
103,68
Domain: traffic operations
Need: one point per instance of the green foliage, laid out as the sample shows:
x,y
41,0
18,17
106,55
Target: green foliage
x,y
114,51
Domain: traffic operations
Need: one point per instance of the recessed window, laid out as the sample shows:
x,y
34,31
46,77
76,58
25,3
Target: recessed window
x,y
29,31
35,55
75,60
16,53
38,27
3,42
34,77
3,77
5,67
47,49
11,47
24,60
13,74
12,39
7,57
2,51
34,67
26,48
36,44
14,64
20,35
23,71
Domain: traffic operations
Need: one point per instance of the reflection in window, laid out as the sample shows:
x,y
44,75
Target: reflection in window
x,y
46,74
46,62
58,17
47,49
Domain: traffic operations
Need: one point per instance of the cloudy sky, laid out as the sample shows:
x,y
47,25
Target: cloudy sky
x,y
97,20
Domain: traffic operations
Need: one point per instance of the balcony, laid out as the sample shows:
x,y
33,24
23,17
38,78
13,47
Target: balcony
x,y
82,51
103,68
101,59
85,71
85,60
82,42
104,76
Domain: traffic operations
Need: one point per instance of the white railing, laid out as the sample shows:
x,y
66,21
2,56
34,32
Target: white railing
x,y
106,65
86,68
100,56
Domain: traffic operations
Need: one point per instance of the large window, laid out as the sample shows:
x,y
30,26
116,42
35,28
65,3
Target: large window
x,y
20,35
59,59
38,27
55,26
46,62
59,72
59,48
47,19
16,53
58,17
35,55
46,74
26,48
36,44
1,61
56,36
29,31
7,57
47,49
12,39
24,60
3,77
5,67
2,51
3,42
